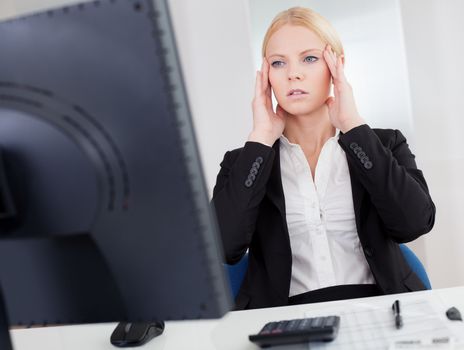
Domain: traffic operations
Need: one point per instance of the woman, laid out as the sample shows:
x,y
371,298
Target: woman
x,y
319,198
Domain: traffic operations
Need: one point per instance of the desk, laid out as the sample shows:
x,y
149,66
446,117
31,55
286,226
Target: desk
x,y
229,333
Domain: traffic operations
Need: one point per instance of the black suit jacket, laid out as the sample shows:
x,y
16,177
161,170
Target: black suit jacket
x,y
391,202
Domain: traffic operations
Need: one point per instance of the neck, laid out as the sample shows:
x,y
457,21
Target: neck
x,y
310,131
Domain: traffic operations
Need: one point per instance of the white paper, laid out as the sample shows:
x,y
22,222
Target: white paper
x,y
370,325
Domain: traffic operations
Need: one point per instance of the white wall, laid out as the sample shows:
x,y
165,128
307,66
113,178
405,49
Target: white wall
x,y
215,49
433,34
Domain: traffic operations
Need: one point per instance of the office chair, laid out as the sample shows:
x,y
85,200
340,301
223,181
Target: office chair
x,y
237,272
416,265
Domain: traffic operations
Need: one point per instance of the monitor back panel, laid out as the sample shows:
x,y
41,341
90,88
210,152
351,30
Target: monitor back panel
x,y
98,146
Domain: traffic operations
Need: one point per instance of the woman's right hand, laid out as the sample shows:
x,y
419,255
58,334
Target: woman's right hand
x,y
268,125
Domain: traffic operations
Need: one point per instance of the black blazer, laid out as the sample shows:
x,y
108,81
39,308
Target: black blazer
x,y
391,200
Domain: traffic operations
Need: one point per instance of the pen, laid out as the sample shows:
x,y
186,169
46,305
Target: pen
x,y
397,313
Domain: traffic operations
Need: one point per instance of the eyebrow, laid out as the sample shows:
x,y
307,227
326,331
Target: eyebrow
x,y
305,51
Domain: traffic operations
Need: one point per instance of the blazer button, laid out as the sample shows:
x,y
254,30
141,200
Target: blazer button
x,y
260,160
253,171
361,154
353,145
368,165
251,177
248,183
256,165
364,159
357,150
368,252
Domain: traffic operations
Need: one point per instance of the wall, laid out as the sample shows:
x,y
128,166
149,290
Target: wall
x,y
215,50
434,46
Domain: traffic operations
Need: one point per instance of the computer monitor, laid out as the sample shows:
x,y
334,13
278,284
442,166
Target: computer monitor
x,y
104,212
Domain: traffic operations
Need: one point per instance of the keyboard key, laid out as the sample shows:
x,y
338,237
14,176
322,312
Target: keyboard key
x,y
330,321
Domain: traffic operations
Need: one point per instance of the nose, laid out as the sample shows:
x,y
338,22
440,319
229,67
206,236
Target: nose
x,y
295,75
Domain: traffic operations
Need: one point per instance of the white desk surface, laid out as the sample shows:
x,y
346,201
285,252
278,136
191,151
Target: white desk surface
x,y
230,332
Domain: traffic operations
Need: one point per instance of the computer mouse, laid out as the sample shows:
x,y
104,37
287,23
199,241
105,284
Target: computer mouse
x,y
453,314
135,334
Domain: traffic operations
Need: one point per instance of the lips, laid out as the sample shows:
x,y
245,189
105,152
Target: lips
x,y
296,92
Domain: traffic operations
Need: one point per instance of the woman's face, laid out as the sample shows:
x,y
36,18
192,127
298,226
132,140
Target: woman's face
x,y
296,63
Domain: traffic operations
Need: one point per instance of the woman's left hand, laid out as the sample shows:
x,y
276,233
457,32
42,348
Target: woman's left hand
x,y
342,109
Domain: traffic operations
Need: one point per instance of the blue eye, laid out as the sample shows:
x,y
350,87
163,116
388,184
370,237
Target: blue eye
x,y
276,64
310,57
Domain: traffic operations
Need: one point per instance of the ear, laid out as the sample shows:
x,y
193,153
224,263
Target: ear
x,y
343,60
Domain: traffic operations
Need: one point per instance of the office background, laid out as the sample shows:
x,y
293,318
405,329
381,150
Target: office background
x,y
403,61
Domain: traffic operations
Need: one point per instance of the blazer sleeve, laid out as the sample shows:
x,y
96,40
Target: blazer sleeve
x,y
240,188
389,174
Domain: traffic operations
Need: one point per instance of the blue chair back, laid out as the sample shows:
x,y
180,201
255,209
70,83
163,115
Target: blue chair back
x,y
416,265
237,272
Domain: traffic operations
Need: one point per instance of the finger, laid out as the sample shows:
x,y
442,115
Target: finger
x,y
341,70
330,61
258,84
334,54
335,61
261,73
264,67
265,85
331,53
330,64
338,69
336,92
265,80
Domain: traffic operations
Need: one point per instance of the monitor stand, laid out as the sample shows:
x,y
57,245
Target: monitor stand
x,y
128,334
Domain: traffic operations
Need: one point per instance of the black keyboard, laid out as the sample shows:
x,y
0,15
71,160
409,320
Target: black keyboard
x,y
301,330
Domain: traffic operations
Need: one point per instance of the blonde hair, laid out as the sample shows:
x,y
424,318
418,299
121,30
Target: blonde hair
x,y
305,17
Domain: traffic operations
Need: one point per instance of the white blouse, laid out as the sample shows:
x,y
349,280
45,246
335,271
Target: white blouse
x,y
326,250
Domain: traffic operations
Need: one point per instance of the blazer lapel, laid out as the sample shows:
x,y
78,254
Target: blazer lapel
x,y
275,191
